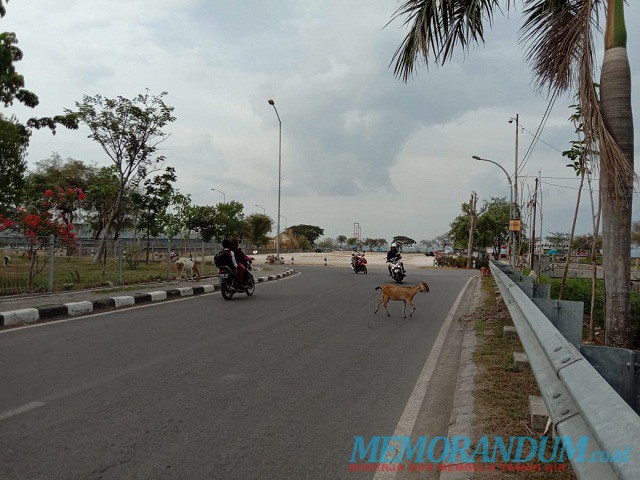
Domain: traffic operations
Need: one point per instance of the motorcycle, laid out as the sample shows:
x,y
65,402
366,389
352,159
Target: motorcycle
x,y
230,286
359,264
397,271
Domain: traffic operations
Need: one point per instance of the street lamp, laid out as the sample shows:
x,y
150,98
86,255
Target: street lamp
x,y
272,103
511,236
263,210
224,198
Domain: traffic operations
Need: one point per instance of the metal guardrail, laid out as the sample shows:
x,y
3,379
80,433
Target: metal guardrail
x,y
579,401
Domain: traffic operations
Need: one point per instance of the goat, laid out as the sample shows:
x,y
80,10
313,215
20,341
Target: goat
x,y
187,269
485,272
7,260
396,292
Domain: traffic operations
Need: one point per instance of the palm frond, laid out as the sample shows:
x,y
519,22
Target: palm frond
x,y
436,27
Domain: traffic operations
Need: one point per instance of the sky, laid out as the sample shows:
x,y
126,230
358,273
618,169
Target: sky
x,y
358,145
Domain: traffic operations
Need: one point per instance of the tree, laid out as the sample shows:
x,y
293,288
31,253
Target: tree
x,y
229,220
341,239
560,37
259,226
557,239
326,243
54,172
39,220
310,232
14,140
151,201
202,220
129,132
401,240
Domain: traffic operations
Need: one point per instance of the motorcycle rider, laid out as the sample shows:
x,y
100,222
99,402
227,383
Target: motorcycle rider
x,y
242,274
355,258
393,256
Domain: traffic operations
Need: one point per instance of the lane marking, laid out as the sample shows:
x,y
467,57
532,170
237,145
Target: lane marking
x,y
17,411
410,415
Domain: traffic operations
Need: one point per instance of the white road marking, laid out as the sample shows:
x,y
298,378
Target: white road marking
x,y
17,411
409,416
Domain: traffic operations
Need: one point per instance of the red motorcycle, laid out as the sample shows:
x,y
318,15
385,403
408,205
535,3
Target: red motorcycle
x,y
359,263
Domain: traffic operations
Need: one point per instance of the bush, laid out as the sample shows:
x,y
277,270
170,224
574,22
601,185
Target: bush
x,y
452,262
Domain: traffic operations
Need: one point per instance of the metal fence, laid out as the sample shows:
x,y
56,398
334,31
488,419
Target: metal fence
x,y
579,400
50,267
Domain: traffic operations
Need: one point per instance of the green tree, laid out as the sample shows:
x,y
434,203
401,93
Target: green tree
x,y
560,35
129,132
14,140
151,201
229,220
326,243
492,228
259,226
341,239
202,219
310,232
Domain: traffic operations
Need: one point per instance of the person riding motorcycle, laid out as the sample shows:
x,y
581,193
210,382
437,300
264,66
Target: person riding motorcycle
x,y
355,257
242,274
393,256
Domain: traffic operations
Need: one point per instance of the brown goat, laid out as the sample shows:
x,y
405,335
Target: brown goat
x,y
396,292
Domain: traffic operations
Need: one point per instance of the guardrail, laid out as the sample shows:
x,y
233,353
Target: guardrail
x,y
579,401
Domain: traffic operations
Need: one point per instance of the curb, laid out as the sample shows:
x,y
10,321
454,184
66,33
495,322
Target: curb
x,y
72,309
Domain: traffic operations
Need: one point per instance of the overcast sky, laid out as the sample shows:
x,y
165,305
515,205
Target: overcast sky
x,y
358,145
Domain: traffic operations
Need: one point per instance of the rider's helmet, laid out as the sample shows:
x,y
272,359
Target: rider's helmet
x,y
394,245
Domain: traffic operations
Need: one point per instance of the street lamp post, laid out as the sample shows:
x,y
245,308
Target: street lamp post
x,y
511,236
263,210
224,197
272,103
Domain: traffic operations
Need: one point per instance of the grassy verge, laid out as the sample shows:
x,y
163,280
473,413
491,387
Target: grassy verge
x,y
502,393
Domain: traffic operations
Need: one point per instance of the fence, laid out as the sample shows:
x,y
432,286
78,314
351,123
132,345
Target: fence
x,y
50,267
579,400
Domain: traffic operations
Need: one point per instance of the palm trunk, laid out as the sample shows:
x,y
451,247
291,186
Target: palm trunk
x,y
615,97
573,230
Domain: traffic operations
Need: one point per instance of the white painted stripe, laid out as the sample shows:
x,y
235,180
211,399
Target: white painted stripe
x,y
24,315
408,419
17,411
158,296
208,288
79,308
124,301
185,291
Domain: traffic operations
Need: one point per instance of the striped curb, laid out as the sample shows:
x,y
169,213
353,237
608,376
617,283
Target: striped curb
x,y
71,309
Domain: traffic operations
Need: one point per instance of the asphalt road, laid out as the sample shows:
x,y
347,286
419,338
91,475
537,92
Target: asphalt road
x,y
273,386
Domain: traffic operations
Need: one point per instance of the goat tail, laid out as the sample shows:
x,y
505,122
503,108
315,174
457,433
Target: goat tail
x,y
378,288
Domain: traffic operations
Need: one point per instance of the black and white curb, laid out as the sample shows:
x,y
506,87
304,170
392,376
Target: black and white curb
x,y
72,309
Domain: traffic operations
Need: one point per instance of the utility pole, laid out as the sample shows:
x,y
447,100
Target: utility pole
x,y
533,229
472,226
516,215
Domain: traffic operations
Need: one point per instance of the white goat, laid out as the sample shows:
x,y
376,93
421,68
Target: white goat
x,y
187,269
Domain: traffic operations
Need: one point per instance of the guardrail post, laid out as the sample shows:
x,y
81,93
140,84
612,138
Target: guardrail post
x,y
565,315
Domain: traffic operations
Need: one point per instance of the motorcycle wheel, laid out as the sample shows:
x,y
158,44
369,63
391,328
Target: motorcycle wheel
x,y
397,276
364,269
225,290
252,286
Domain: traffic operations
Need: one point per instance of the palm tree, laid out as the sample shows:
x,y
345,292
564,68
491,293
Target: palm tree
x,y
559,35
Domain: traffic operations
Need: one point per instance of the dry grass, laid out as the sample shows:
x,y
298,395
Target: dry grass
x,y
502,393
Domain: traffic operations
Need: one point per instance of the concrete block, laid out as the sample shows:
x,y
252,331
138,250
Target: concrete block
x,y
79,308
538,412
509,331
185,291
24,315
521,361
209,288
123,301
158,296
